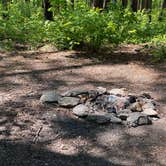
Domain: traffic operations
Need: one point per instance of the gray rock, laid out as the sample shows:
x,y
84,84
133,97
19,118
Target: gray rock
x,y
81,110
114,119
50,97
101,90
68,101
123,114
102,118
136,119
99,117
75,93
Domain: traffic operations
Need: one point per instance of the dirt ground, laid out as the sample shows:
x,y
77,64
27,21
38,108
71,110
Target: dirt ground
x,y
33,134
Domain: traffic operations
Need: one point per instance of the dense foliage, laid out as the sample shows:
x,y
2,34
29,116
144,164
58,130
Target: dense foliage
x,y
23,22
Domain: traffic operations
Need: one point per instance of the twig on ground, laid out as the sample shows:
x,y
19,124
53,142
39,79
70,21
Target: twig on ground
x,y
36,138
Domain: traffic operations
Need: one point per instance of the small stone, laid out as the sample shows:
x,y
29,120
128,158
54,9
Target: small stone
x,y
136,118
136,107
48,48
146,95
132,99
68,101
93,94
111,109
123,114
81,110
121,92
50,97
101,90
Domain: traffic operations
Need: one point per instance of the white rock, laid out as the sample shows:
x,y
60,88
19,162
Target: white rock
x,y
101,90
81,110
121,91
150,112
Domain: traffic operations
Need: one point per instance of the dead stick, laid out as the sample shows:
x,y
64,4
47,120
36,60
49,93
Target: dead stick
x,y
37,134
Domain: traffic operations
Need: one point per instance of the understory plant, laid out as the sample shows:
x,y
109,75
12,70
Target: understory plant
x,y
81,26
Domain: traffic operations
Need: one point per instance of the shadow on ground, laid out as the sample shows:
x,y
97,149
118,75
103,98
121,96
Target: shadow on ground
x,y
21,114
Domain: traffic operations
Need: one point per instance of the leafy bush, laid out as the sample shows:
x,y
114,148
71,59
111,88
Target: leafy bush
x,y
81,26
159,50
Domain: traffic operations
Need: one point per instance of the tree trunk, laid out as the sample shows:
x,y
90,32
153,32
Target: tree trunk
x,y
105,3
48,15
134,5
72,3
147,6
163,7
97,4
124,3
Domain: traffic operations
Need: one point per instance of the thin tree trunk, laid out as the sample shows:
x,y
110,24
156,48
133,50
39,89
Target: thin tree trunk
x,y
134,5
105,3
48,15
147,6
163,7
97,4
124,3
72,3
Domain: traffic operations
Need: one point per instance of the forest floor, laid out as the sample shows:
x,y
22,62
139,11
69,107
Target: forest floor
x,y
63,140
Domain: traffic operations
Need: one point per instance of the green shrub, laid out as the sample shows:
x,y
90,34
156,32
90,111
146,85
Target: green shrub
x,y
81,26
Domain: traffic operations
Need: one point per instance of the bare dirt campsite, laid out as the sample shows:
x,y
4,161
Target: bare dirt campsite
x,y
37,134
83,83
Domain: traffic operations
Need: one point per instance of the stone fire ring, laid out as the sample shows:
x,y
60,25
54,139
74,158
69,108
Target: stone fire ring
x,y
106,106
